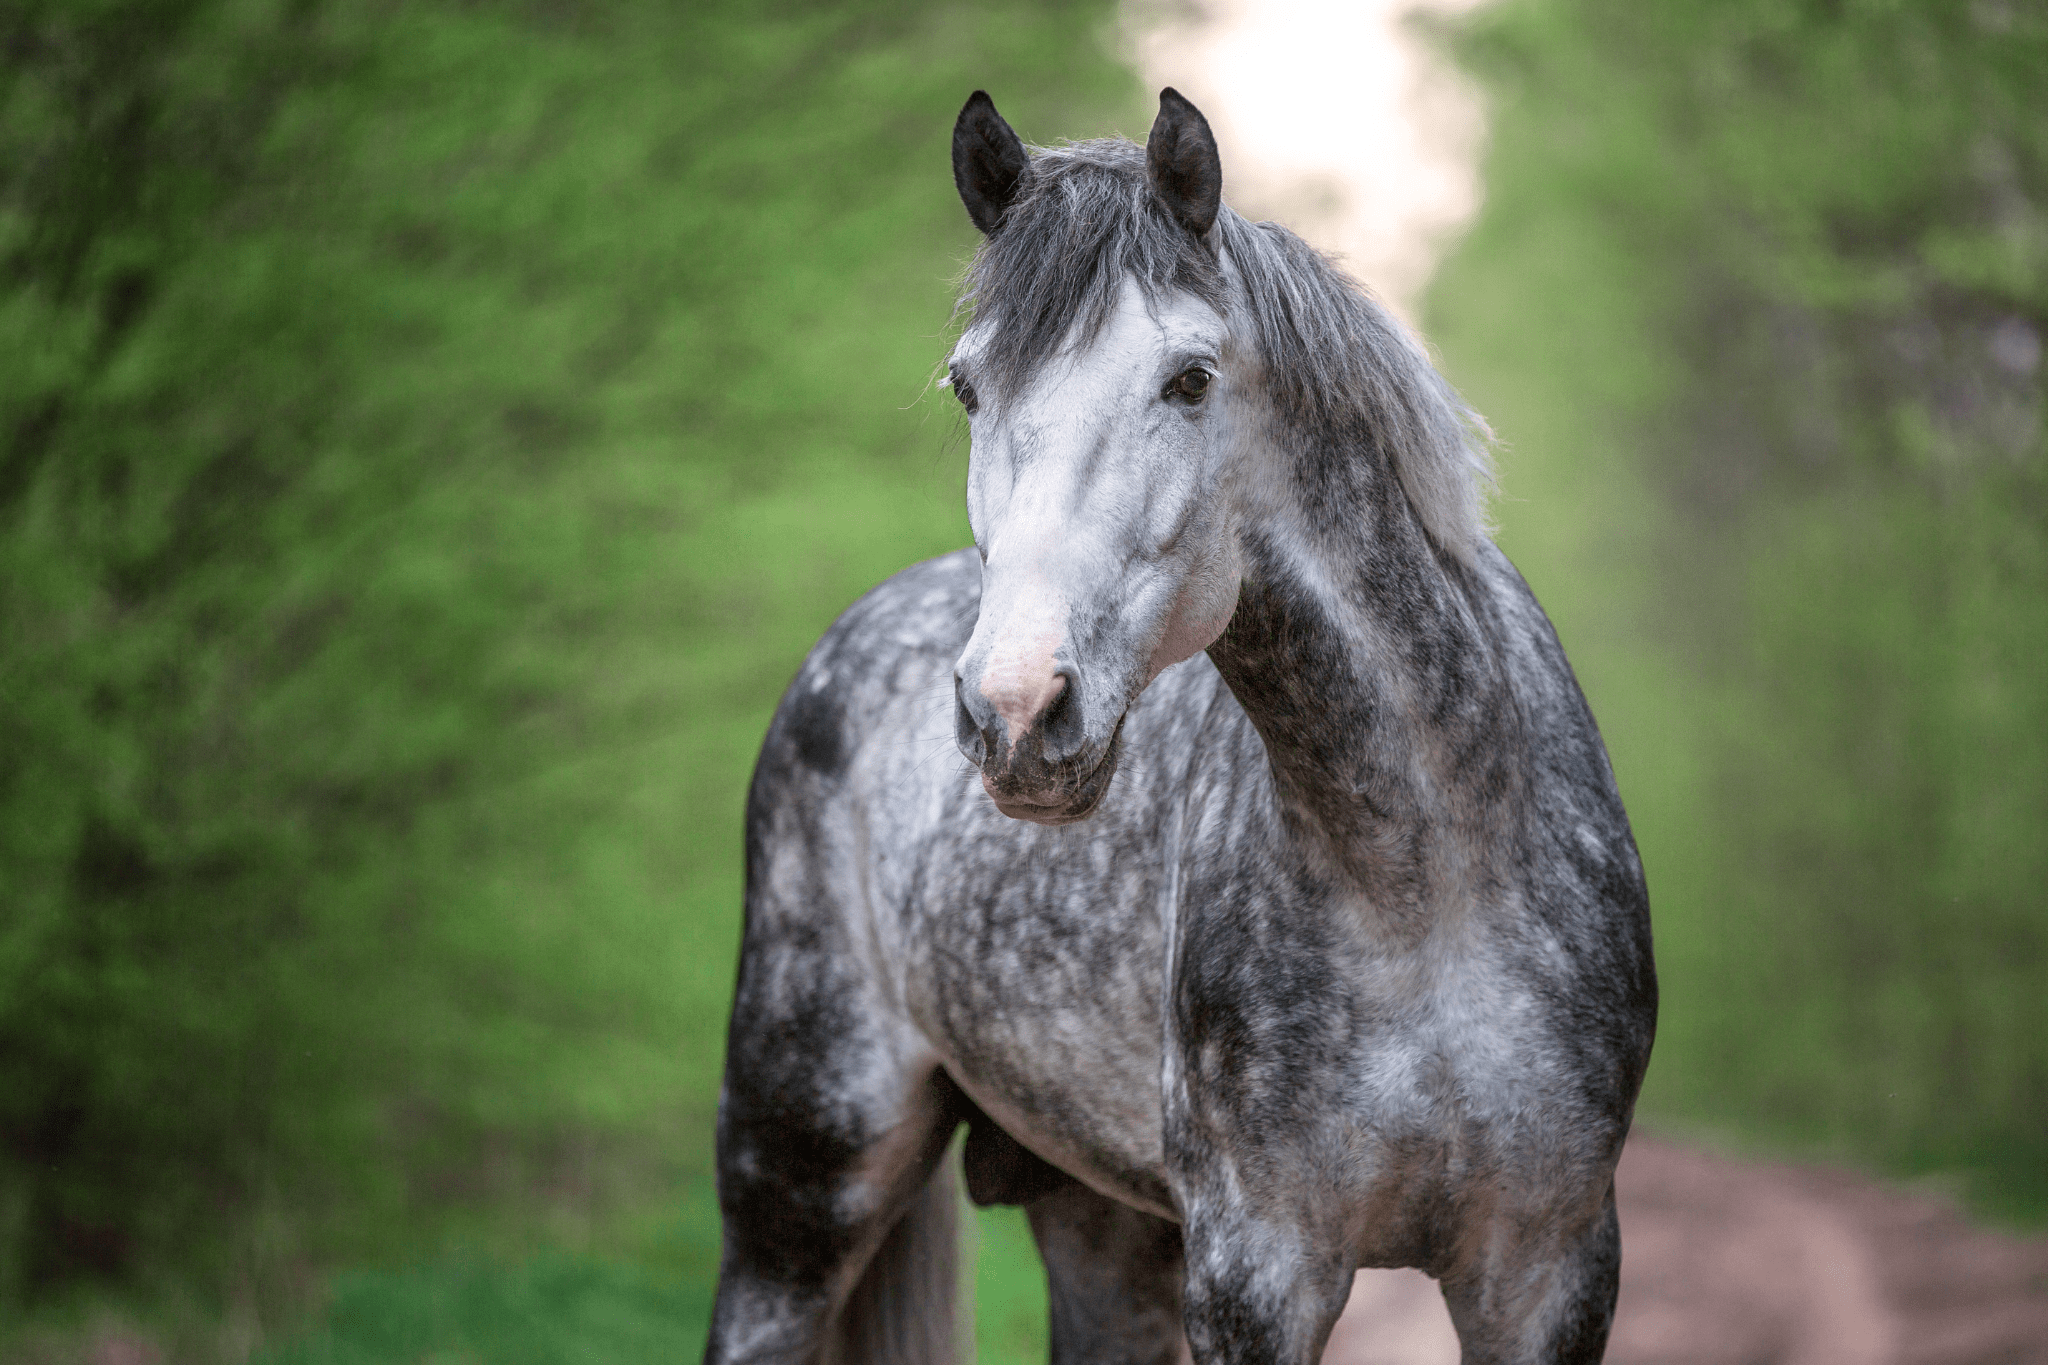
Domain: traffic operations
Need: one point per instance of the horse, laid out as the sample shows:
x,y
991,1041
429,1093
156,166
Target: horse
x,y
1283,918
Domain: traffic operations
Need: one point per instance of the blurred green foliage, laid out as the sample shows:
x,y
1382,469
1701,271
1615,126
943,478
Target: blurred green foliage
x,y
429,438
1758,299
431,434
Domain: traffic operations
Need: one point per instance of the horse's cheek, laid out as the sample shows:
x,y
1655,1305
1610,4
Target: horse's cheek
x,y
1199,615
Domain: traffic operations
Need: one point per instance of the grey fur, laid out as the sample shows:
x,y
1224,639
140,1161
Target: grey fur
x,y
1341,956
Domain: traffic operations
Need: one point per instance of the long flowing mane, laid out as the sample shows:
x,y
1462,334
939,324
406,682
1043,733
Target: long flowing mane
x,y
1338,368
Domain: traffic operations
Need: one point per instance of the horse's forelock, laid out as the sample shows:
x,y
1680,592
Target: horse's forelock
x,y
1335,360
1087,220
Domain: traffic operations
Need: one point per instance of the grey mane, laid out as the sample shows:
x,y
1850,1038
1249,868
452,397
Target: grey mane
x,y
1339,369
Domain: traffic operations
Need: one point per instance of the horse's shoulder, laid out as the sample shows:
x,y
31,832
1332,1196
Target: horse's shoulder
x,y
1585,853
1558,722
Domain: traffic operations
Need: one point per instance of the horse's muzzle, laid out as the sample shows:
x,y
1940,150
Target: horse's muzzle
x,y
1063,801
1049,774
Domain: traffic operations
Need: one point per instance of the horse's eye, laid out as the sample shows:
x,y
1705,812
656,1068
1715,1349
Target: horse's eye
x,y
964,391
1190,384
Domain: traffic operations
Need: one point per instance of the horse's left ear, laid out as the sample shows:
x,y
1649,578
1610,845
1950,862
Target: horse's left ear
x,y
1181,161
990,165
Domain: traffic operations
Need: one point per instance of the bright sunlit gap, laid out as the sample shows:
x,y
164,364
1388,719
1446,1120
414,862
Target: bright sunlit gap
x,y
1334,117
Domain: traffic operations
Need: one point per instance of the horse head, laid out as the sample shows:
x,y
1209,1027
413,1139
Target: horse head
x,y
1097,377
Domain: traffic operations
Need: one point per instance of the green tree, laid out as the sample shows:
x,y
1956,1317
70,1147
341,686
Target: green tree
x,y
429,437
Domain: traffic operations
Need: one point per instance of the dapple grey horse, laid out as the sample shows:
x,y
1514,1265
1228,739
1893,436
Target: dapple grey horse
x,y
1283,919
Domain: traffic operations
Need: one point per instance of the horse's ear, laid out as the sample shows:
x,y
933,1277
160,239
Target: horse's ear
x,y
990,165
1181,160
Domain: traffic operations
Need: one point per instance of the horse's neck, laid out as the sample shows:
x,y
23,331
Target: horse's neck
x,y
1357,654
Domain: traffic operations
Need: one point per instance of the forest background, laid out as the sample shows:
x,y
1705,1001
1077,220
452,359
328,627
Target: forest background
x,y
432,433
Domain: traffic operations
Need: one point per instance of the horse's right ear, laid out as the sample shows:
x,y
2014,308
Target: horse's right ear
x,y
1182,163
990,165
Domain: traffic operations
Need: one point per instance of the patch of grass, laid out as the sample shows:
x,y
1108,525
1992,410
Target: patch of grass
x,y
1009,1291
555,1309
562,1308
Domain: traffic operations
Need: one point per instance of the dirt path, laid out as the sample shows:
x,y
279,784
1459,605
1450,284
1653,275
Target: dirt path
x,y
1727,1263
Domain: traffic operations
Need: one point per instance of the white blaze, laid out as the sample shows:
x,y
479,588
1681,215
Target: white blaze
x,y
1020,678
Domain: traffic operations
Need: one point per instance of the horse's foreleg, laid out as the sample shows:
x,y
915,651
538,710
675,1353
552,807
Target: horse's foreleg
x,y
838,1216
1260,1292
1113,1279
1546,1301
839,1241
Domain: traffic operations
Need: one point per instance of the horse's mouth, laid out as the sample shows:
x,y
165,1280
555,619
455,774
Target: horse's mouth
x,y
1073,800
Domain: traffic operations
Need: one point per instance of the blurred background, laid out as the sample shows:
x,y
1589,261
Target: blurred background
x,y
432,433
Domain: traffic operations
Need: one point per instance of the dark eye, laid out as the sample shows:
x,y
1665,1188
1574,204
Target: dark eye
x,y
1190,384
963,391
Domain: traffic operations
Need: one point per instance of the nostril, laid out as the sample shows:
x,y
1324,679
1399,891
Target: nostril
x,y
967,731
1059,725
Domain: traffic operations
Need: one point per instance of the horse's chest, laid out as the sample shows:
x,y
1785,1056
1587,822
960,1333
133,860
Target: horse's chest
x,y
1039,979
1043,985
